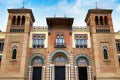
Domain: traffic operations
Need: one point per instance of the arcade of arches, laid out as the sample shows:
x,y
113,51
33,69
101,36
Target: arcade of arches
x,y
59,66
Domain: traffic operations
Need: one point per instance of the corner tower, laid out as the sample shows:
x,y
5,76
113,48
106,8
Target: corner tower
x,y
15,50
100,20
20,20
103,43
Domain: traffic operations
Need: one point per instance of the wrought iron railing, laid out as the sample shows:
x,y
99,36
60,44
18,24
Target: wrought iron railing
x,y
60,45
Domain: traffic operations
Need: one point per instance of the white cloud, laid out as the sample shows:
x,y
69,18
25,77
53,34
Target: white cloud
x,y
77,9
118,8
3,21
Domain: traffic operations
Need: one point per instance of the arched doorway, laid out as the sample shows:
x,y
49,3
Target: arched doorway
x,y
82,67
37,67
59,67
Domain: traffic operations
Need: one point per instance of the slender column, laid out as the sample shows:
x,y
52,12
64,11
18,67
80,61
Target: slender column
x,y
51,72
76,73
20,20
90,72
53,75
68,72
29,73
16,20
43,72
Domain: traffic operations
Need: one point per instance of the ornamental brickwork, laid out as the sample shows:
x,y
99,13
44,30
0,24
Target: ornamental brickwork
x,y
59,51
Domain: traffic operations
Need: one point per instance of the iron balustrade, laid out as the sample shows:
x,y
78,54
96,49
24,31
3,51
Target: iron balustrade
x,y
60,45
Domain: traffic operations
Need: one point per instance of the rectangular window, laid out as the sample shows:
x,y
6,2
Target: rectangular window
x,y
119,62
0,61
118,46
1,45
38,40
17,30
81,40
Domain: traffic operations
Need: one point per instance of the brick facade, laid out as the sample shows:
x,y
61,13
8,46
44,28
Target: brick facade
x,y
71,57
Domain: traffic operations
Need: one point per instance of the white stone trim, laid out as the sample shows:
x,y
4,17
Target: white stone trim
x,y
90,72
52,72
76,75
29,73
43,72
67,71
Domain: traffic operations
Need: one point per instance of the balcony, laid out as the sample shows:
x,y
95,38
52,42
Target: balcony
x,y
38,46
102,28
60,45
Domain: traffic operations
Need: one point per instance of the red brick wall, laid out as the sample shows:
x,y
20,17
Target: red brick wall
x,y
52,39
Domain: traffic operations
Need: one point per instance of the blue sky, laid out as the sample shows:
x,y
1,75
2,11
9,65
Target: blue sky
x,y
48,8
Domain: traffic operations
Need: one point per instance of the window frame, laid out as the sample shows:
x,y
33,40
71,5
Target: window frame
x,y
14,52
81,40
101,20
60,41
38,41
105,53
96,20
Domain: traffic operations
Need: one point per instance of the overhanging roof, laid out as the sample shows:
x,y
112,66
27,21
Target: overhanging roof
x,y
59,21
97,11
22,10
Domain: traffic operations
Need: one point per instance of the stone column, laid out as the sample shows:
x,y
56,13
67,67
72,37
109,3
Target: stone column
x,y
52,72
68,72
76,76
90,72
43,75
29,73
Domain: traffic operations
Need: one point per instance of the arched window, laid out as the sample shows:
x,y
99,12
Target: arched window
x,y
105,52
37,61
101,20
23,20
13,20
106,20
82,60
18,20
60,41
96,20
57,39
14,52
60,59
